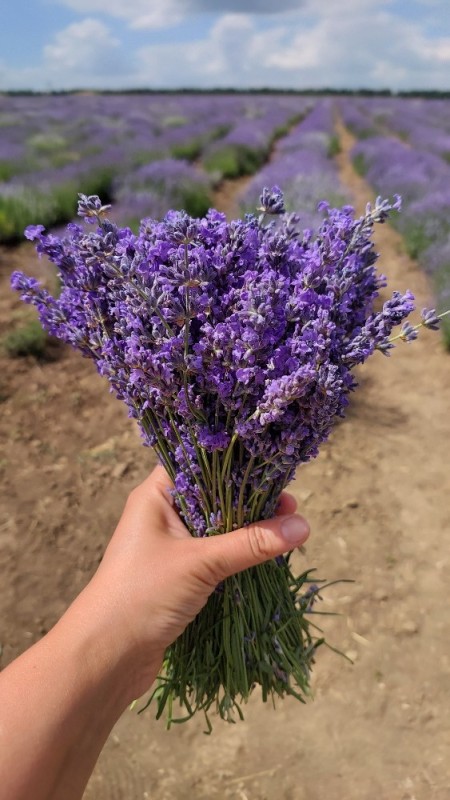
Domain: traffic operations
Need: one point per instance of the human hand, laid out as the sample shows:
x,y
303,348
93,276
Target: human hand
x,y
155,577
61,698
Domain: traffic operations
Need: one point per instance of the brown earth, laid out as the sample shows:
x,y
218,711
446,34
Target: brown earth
x,y
377,500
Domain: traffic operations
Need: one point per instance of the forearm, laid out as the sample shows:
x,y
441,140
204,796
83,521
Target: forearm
x,y
58,703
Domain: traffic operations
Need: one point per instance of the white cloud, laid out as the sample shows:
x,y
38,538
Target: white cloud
x,y
359,43
243,6
150,14
83,48
221,59
356,43
154,14
84,54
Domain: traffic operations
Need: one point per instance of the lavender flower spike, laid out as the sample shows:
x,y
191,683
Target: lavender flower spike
x,y
430,319
233,345
90,208
272,201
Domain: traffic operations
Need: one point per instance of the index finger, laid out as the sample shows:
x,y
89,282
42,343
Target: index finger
x,y
287,504
159,480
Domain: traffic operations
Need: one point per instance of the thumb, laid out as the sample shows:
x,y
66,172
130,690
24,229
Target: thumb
x,y
235,551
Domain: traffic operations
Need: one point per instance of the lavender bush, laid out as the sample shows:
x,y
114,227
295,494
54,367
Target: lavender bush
x,y
423,178
51,145
233,345
301,162
247,145
152,188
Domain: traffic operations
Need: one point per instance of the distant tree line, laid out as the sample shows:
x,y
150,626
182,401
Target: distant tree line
x,y
362,92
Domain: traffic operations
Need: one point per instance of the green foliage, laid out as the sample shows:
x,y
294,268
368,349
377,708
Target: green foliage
x,y
54,207
420,233
141,157
250,160
336,200
46,144
359,163
283,130
133,223
15,214
195,199
445,330
334,146
189,150
366,133
60,159
7,170
232,161
11,169
416,240
27,340
441,281
174,121
220,131
223,163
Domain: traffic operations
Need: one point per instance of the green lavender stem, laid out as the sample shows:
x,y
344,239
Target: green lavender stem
x,y
253,630
252,633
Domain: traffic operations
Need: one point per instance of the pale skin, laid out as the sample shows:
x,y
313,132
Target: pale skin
x,y
61,698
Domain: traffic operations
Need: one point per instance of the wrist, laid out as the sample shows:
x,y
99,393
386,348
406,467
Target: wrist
x,y
106,649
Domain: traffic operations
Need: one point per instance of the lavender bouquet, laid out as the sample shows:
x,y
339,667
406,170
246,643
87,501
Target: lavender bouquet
x,y
232,344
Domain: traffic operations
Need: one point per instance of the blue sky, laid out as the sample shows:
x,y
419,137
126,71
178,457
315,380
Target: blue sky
x,y
63,44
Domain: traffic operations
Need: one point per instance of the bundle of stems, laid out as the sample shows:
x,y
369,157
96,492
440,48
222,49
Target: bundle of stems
x,y
256,628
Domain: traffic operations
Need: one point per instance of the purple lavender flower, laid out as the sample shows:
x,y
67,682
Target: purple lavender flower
x,y
408,332
430,319
91,208
232,344
222,334
272,201
33,232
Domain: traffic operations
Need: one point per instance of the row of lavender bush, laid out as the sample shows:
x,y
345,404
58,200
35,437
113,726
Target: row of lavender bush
x,y
136,149
303,165
151,153
404,147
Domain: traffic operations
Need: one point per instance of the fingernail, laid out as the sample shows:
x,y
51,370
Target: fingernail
x,y
294,529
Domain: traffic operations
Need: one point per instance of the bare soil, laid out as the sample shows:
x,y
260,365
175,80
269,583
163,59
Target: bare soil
x,y
378,502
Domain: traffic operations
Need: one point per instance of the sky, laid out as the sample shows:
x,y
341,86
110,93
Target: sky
x,y
295,44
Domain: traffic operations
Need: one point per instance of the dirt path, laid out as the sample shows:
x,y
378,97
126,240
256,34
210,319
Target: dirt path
x,y
226,198
377,499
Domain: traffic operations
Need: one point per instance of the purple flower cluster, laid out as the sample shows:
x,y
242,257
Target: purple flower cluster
x,y
231,343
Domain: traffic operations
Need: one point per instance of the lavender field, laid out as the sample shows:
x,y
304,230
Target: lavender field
x,y
376,497
404,147
147,153
150,153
